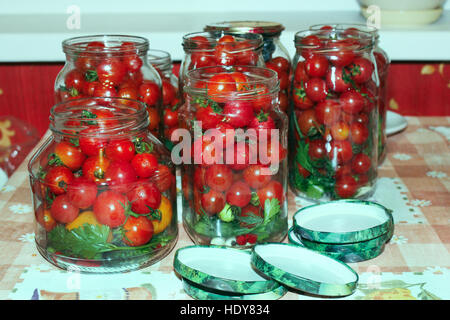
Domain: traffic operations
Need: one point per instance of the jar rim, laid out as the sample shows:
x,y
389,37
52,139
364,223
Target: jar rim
x,y
211,39
77,45
159,58
344,26
366,40
265,28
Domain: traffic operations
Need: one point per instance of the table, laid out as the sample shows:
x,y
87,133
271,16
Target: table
x,y
414,182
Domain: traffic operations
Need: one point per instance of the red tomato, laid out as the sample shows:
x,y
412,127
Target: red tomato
x,y
58,179
208,117
303,172
340,131
361,163
316,65
361,70
200,60
90,143
219,177
242,156
82,192
256,176
341,56
283,101
144,198
199,178
163,178
346,187
149,93
338,79
145,164
212,201
111,71
307,121
317,149
359,132
95,167
45,219
138,231
168,92
63,210
70,155
74,80
341,151
120,174
120,150
205,151
352,101
316,89
238,113
239,194
328,112
132,62
249,211
300,74
129,92
223,54
105,91
281,64
273,190
223,132
262,124
301,100
262,100
219,85
109,208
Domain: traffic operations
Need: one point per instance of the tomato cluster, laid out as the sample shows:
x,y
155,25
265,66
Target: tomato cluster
x,y
334,101
231,183
87,177
282,67
100,69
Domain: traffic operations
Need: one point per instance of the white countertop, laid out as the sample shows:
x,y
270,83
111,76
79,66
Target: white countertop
x,y
32,31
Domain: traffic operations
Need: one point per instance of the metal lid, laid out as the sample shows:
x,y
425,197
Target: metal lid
x,y
343,221
265,28
201,293
304,269
221,268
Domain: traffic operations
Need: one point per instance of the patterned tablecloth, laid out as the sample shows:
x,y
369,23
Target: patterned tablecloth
x,y
414,182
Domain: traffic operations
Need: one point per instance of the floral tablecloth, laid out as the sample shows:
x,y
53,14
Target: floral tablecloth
x,y
414,182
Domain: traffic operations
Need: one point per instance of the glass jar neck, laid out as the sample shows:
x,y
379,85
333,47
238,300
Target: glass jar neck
x,y
161,61
207,41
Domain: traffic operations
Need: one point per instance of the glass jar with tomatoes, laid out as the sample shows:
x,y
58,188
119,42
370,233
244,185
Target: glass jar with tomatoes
x,y
383,63
233,156
333,115
275,54
206,49
162,62
111,66
104,190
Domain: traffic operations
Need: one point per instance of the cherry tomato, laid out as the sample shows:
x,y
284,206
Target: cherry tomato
x,y
138,231
361,70
224,132
200,60
74,80
212,201
300,74
122,149
338,79
163,178
62,210
109,208
341,151
283,101
105,91
128,92
361,163
250,211
170,117
111,71
199,178
341,55
90,143
219,177
205,151
352,101
120,174
70,155
273,190
316,89
317,149
82,192
245,53
328,112
302,171
223,54
340,131
262,100
144,198
219,85
301,100
256,176
153,119
168,92
95,167
346,187
316,65
145,164
132,62
58,178
208,117
262,124
45,218
307,121
243,155
359,132
149,93
282,64
238,113
239,194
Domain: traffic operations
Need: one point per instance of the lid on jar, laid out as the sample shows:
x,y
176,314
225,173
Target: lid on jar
x,y
343,221
201,293
303,269
265,28
221,268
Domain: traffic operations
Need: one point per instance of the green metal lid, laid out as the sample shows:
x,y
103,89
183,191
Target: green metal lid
x,y
221,268
304,269
265,28
201,293
343,221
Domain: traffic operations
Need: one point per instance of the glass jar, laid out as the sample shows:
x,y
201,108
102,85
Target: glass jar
x,y
104,191
206,49
333,115
275,54
162,62
234,157
383,63
111,66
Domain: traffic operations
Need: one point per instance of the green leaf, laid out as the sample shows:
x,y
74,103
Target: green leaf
x,y
91,76
271,208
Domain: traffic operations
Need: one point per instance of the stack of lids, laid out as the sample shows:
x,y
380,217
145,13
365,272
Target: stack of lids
x,y
346,230
269,270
